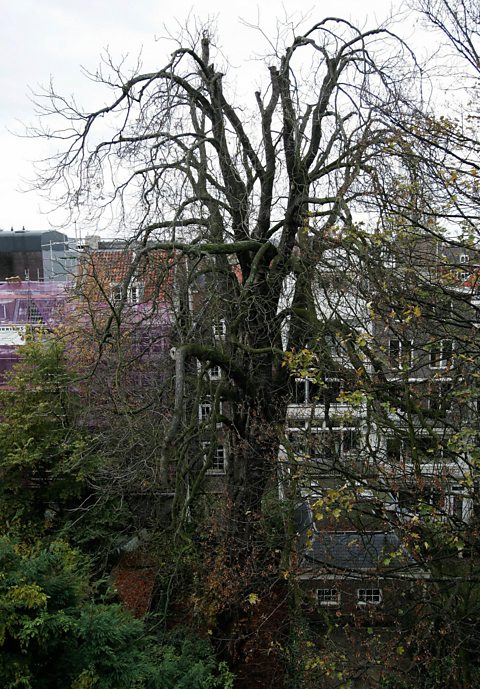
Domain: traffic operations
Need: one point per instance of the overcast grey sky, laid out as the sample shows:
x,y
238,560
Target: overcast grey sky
x,y
43,39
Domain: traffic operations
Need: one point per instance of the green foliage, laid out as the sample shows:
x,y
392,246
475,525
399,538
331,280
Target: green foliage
x,y
53,633
189,664
44,457
57,632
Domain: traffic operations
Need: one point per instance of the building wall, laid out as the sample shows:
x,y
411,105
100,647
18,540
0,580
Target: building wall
x,y
36,256
22,264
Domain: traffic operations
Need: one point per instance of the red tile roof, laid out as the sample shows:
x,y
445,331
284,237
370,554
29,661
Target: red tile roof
x,y
100,270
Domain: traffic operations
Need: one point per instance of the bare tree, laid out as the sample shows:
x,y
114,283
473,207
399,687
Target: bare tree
x,y
246,203
438,145
459,21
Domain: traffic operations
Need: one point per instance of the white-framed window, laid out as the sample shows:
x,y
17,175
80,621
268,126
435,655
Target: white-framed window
x,y
306,391
464,258
400,353
215,372
134,293
369,596
394,449
328,597
410,498
388,257
219,329
425,447
332,444
116,294
215,458
456,502
204,411
326,448
441,354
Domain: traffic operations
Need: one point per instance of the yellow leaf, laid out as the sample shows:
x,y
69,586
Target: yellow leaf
x,y
253,599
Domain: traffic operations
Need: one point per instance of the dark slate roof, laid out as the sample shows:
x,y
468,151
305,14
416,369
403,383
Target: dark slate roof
x,y
22,240
352,550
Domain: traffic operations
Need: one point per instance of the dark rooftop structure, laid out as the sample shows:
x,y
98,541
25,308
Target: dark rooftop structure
x,y
357,551
347,551
35,255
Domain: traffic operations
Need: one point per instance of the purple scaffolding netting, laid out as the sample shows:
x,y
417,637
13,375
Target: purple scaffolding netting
x,y
48,304
23,304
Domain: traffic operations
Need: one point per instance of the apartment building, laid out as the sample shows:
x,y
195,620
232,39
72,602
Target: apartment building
x,y
382,434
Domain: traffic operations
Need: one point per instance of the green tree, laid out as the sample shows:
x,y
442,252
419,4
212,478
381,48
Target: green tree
x,y
58,631
52,631
44,455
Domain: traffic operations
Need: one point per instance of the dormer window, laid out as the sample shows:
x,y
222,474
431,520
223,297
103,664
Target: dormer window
x,y
134,293
116,294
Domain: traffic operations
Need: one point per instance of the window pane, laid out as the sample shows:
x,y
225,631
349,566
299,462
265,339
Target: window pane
x,y
300,391
331,392
394,449
328,596
394,352
205,410
369,596
214,373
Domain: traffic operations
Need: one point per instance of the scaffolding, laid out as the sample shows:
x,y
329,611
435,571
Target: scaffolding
x,y
23,305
